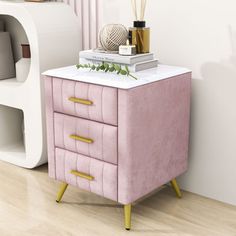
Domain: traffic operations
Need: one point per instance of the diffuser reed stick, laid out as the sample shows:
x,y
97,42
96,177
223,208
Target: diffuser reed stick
x,y
134,6
144,3
142,9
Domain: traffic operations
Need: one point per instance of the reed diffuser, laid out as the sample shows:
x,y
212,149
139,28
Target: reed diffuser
x,y
139,34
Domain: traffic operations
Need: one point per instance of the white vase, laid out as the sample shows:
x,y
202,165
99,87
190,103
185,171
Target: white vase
x,y
22,69
23,65
7,69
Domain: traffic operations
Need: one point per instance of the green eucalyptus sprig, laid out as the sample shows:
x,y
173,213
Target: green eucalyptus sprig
x,y
108,67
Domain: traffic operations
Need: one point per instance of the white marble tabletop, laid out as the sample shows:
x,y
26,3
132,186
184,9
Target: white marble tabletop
x,y
118,81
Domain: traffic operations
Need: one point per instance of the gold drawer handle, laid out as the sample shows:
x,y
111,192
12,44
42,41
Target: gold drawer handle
x,y
82,175
81,101
82,139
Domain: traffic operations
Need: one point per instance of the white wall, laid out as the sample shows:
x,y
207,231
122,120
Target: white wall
x,y
200,35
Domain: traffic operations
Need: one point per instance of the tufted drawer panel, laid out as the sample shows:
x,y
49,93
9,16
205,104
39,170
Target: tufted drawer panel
x,y
88,101
86,137
104,182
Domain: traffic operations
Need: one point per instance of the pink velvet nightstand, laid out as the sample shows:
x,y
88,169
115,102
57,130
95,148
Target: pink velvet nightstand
x,y
118,137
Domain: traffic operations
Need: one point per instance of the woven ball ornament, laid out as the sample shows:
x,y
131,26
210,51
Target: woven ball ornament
x,y
111,36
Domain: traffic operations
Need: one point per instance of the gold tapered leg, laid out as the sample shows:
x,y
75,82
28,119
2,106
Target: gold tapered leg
x,y
61,191
127,211
176,188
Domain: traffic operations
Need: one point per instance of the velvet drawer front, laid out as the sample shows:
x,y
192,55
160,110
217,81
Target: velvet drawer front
x,y
93,102
86,137
104,182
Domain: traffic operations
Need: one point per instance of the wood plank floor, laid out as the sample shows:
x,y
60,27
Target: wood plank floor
x,y
28,207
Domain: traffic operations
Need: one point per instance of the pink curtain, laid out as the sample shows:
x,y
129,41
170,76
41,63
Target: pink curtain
x,y
88,12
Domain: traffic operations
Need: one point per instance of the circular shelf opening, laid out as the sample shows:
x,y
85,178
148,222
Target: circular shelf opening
x,y
15,68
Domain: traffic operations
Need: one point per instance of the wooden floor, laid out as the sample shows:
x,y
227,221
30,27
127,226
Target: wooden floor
x,y
28,207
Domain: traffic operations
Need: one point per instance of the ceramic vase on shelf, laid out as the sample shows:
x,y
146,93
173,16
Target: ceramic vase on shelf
x,y
23,65
7,69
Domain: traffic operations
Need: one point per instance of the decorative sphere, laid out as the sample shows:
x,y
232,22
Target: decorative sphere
x,y
111,36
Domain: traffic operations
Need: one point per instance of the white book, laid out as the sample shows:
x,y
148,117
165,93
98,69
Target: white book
x,y
116,58
132,68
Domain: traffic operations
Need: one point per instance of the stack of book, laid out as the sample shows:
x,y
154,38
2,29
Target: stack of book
x,y
135,63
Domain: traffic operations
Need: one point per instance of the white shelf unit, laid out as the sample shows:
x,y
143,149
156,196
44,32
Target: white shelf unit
x,y
52,30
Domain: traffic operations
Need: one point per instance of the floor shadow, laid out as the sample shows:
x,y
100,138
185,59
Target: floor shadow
x,y
92,204
42,168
